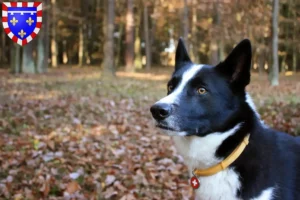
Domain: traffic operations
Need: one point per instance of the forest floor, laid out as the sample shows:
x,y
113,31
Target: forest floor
x,y
69,134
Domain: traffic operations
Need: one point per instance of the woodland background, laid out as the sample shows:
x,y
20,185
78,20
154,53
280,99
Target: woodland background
x,y
74,102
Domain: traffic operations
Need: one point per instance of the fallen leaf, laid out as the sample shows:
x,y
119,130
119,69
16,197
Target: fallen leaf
x,y
72,187
128,197
109,179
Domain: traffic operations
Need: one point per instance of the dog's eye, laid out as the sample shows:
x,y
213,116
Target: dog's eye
x,y
201,90
170,88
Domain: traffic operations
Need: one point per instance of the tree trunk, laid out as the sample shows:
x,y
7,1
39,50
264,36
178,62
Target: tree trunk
x,y
154,50
15,58
214,57
137,49
147,39
129,37
109,67
220,40
28,65
119,44
214,50
295,35
137,42
53,39
194,41
221,50
3,47
81,45
64,52
284,65
186,24
84,34
261,62
87,29
104,29
43,43
294,57
294,60
275,68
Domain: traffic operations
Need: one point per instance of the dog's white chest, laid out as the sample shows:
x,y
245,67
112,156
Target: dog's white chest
x,y
223,185
199,152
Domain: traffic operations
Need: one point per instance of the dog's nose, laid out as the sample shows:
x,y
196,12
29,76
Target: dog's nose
x,y
161,111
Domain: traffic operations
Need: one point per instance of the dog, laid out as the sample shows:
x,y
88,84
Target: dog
x,y
216,128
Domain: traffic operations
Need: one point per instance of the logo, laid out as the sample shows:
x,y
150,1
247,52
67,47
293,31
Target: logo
x,y
22,21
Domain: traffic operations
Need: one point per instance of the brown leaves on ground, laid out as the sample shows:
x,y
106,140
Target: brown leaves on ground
x,y
68,135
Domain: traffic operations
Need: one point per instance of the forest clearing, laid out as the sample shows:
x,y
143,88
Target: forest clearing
x,y
76,92
69,134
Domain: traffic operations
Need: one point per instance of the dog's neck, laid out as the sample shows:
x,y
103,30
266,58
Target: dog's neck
x,y
204,152
200,152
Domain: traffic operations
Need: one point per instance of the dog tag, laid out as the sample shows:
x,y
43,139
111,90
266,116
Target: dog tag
x,y
194,182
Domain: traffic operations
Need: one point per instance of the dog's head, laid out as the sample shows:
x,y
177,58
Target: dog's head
x,y
201,98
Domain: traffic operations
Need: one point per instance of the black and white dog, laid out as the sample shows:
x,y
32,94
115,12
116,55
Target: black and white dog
x,y
209,113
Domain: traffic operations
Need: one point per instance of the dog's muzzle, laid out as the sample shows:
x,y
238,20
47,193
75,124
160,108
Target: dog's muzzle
x,y
161,111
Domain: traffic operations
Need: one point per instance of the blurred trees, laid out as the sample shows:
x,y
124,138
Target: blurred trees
x,y
142,33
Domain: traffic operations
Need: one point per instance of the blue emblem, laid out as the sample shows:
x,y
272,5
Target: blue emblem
x,y
22,20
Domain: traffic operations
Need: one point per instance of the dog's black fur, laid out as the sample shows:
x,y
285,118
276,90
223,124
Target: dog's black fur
x,y
272,158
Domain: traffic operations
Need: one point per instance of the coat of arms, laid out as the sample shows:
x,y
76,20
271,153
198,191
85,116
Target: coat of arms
x,y
22,21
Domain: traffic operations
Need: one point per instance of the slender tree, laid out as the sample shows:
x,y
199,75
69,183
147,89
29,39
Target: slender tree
x,y
83,27
54,52
81,44
3,43
214,54
186,23
119,44
129,57
28,65
274,72
295,35
43,42
109,66
15,58
137,40
261,61
147,38
220,41
194,40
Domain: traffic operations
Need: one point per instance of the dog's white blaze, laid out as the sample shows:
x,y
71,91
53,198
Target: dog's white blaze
x,y
267,194
186,77
199,152
173,97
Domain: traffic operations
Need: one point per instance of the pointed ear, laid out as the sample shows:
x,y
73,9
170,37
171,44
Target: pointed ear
x,y
237,65
181,56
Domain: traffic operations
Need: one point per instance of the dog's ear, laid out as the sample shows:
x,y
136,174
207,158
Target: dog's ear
x,y
237,65
181,56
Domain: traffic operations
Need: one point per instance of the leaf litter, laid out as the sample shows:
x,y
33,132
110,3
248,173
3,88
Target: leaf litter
x,y
68,135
